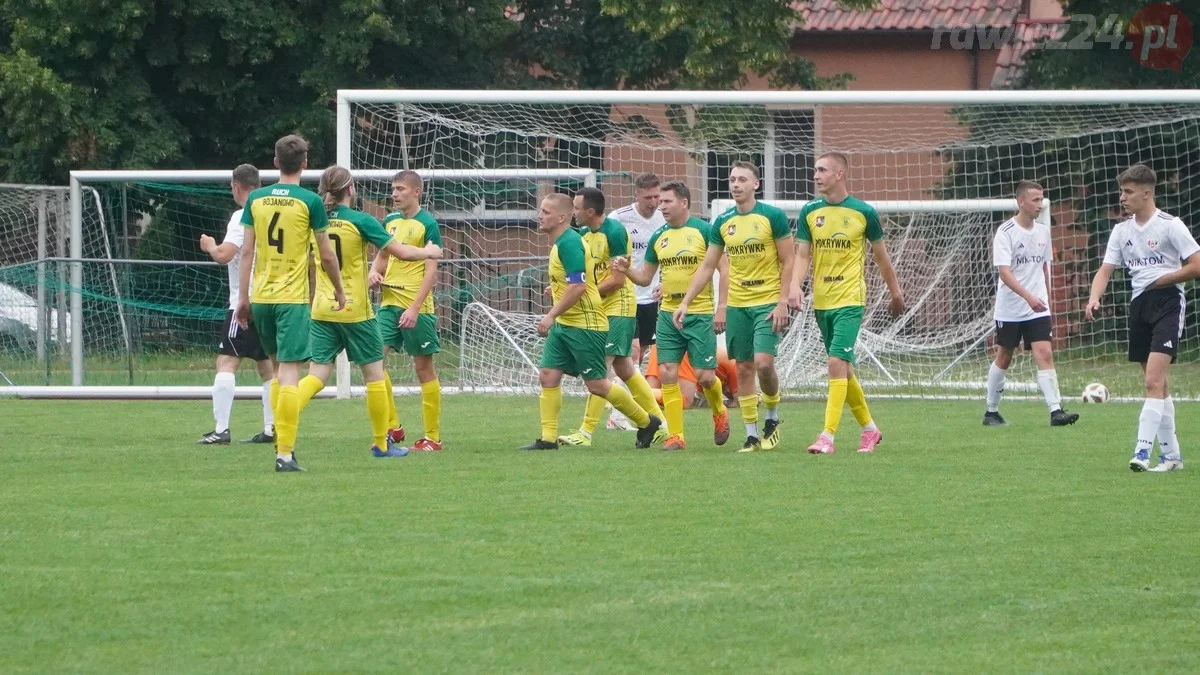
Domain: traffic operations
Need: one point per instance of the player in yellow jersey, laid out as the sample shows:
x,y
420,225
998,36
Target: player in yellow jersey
x,y
606,239
834,233
280,220
678,249
576,330
406,317
758,240
353,328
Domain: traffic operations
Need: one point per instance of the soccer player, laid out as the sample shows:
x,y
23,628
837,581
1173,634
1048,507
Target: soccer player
x,y
642,219
576,330
606,239
285,216
834,232
758,239
1022,254
353,328
406,317
678,248
234,343
1150,245
689,386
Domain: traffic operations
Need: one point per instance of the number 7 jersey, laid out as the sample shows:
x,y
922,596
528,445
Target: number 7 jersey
x,y
283,217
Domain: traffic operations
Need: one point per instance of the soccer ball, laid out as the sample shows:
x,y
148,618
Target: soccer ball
x,y
1095,393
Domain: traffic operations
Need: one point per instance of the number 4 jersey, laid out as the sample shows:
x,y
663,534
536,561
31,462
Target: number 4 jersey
x,y
283,217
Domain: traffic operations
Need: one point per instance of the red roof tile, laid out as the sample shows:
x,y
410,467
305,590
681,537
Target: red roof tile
x,y
827,15
1012,55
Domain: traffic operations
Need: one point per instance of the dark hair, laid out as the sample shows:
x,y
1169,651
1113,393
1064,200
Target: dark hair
x,y
1138,174
646,181
680,190
335,183
290,152
411,177
246,175
593,199
1024,185
749,166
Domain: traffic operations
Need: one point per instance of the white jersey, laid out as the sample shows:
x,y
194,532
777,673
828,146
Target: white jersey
x,y
1150,251
1026,253
639,230
235,234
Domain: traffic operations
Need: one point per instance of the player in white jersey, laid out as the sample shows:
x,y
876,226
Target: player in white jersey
x,y
1022,253
1158,253
236,343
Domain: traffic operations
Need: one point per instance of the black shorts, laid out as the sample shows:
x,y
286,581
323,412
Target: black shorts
x,y
237,341
1155,323
647,321
1009,334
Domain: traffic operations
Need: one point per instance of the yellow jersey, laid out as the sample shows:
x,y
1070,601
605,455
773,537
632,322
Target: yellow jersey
x,y
750,241
571,263
839,234
284,217
349,231
606,243
403,278
679,252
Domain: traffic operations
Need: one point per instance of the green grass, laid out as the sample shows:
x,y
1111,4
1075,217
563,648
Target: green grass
x,y
955,548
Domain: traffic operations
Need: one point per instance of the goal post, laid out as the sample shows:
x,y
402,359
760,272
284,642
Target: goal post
x,y
940,166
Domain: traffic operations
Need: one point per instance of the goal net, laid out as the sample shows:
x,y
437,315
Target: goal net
x,y
932,155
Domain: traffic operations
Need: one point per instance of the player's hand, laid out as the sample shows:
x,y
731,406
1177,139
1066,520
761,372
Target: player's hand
x,y
1036,304
896,305
409,318
678,317
207,243
374,279
549,291
620,264
656,294
1089,312
543,327
795,296
780,317
243,314
339,301
719,320
433,251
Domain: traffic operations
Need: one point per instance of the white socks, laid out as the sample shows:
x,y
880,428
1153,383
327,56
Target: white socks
x,y
995,387
752,429
268,414
771,413
222,397
1168,443
1149,422
1048,381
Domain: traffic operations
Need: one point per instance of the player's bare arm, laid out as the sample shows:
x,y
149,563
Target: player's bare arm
x,y
722,296
801,268
781,316
612,284
712,257
329,263
570,296
378,269
884,262
222,254
642,275
247,263
1010,280
430,251
409,318
1099,285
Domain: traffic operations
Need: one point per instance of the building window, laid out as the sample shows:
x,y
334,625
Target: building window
x,y
785,160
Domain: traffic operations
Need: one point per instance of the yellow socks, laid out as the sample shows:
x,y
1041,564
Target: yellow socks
x,y
592,412
431,409
858,402
378,394
309,387
549,405
673,405
623,401
749,405
393,413
644,395
833,406
274,394
287,418
715,397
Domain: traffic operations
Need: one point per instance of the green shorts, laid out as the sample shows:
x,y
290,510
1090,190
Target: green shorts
x,y
360,340
621,330
576,351
697,339
748,332
283,330
416,341
839,330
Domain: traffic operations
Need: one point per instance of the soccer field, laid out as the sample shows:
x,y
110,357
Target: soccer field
x,y
955,548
